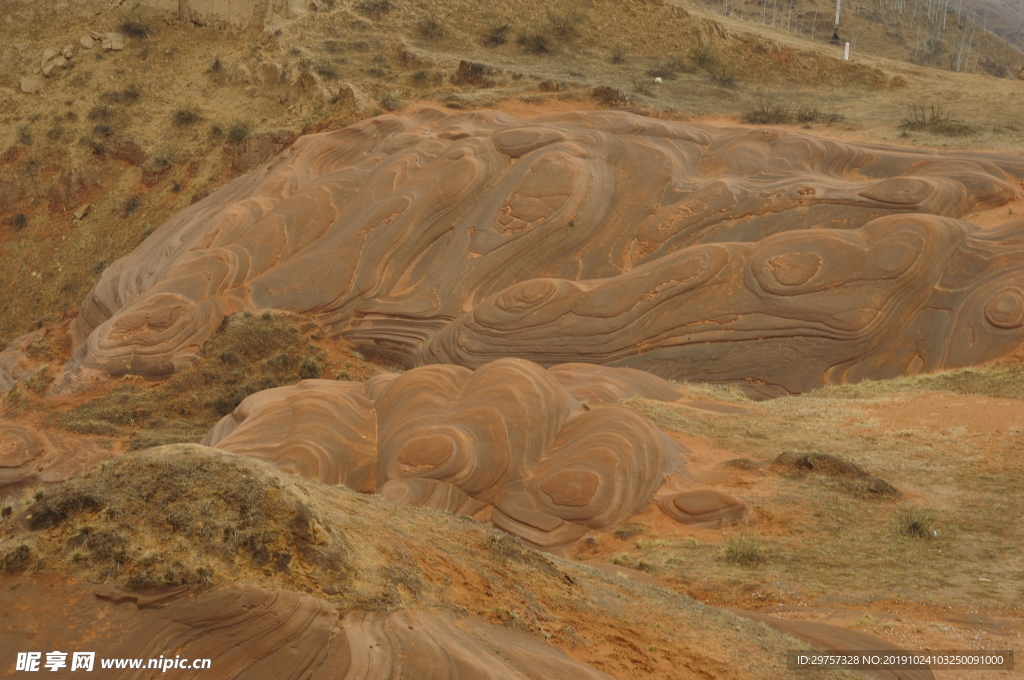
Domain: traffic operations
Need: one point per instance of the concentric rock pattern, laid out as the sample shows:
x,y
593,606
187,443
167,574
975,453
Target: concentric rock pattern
x,y
686,250
248,632
544,454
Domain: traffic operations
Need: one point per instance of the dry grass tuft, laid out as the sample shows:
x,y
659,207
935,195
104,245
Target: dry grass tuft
x,y
248,354
186,115
915,521
744,549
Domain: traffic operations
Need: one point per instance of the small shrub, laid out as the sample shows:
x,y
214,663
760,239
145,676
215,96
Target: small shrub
x,y
131,206
6,511
103,113
628,530
496,34
767,111
723,74
642,86
618,54
934,118
668,68
622,560
814,115
429,27
705,57
391,102
186,115
915,521
134,29
129,95
325,69
216,66
24,135
535,41
16,559
239,131
18,221
565,19
374,7
421,77
743,549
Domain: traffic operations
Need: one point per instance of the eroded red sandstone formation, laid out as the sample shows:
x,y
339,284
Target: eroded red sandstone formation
x,y
547,455
690,251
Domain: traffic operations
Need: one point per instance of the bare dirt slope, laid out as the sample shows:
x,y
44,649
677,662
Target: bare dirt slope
x,y
208,548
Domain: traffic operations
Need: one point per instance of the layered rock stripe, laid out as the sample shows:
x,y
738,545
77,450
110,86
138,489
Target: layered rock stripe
x,y
771,258
547,455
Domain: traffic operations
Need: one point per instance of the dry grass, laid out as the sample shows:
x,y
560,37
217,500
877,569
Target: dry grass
x,y
829,533
179,518
744,549
999,381
250,353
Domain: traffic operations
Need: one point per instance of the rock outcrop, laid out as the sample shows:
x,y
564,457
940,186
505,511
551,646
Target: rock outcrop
x,y
547,455
771,258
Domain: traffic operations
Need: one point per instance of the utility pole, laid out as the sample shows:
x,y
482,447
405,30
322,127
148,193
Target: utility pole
x,y
835,32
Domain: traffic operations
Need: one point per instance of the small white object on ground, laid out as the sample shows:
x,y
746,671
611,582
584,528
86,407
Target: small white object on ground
x,y
658,79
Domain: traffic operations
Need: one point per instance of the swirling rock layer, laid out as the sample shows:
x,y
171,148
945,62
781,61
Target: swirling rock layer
x,y
29,456
686,250
246,631
509,443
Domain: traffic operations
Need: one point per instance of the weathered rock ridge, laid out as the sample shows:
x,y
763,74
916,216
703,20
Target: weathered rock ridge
x,y
545,454
693,252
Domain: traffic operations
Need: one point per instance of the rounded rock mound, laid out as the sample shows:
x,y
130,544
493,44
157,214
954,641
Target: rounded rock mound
x,y
771,258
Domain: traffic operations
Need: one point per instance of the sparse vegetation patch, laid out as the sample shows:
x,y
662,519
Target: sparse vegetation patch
x,y
936,119
250,353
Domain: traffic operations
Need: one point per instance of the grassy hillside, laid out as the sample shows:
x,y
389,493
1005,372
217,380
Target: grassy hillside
x,y
119,140
917,31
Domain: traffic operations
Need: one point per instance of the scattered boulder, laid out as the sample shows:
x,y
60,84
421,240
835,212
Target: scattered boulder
x,y
55,63
31,85
472,73
609,96
82,211
48,55
86,42
311,86
1020,76
68,51
112,41
351,100
271,75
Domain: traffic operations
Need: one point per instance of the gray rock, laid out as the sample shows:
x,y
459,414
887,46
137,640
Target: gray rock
x,y
113,41
48,54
